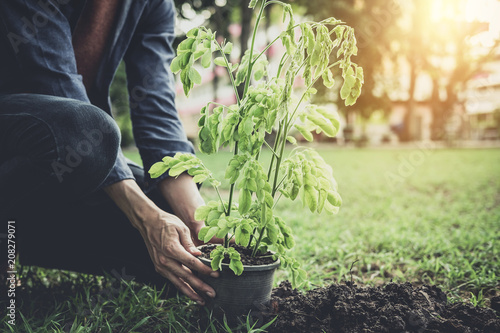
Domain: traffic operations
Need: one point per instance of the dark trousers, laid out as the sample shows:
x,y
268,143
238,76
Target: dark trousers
x,y
54,154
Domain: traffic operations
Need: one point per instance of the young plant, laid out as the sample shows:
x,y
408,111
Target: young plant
x,y
312,50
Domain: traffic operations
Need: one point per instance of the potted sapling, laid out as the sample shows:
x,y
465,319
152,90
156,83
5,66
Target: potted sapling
x,y
271,101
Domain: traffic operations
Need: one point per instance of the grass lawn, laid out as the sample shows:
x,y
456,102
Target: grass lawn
x,y
419,215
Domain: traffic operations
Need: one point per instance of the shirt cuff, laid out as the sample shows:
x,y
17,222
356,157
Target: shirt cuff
x,y
120,171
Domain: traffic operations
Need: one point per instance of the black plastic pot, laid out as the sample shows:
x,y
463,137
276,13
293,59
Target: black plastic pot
x,y
238,295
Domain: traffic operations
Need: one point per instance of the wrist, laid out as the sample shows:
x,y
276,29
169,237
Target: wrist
x,y
183,196
132,201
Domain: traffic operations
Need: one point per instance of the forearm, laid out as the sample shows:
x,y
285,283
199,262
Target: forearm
x,y
128,196
183,197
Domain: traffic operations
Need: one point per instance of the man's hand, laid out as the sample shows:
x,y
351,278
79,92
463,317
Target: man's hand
x,y
173,254
183,196
167,238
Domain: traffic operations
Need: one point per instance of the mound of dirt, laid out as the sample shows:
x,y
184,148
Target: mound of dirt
x,y
390,308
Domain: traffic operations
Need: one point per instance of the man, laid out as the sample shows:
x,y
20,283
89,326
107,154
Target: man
x,y
59,147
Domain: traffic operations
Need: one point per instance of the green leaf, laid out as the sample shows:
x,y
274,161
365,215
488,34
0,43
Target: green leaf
x,y
311,197
200,178
192,33
252,3
187,84
251,184
228,48
167,159
248,126
298,276
233,67
200,50
334,198
328,80
177,170
223,232
210,234
245,201
316,55
206,59
305,133
186,59
219,61
258,74
194,75
202,212
350,100
311,90
289,241
292,140
349,81
202,233
158,169
322,123
185,45
332,115
214,215
321,200
242,235
175,66
236,266
272,231
217,256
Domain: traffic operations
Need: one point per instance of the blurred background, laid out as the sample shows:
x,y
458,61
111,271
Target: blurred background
x,y
432,67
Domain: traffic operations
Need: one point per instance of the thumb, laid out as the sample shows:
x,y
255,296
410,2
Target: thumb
x,y
187,243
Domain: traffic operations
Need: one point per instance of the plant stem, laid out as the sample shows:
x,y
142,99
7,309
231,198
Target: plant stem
x,y
282,63
278,161
230,203
276,140
277,200
265,49
228,67
250,64
263,216
268,146
222,201
231,190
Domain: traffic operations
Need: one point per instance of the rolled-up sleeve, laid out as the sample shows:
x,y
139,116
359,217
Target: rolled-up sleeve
x,y
158,131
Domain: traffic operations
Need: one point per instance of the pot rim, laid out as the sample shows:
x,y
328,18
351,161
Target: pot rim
x,y
247,268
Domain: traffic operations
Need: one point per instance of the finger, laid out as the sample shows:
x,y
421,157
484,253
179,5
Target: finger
x,y
181,285
195,282
173,269
193,263
187,242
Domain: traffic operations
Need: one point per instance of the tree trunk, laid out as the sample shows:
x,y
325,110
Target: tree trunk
x,y
437,125
408,133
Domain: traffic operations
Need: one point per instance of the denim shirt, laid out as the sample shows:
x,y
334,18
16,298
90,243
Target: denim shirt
x,y
36,56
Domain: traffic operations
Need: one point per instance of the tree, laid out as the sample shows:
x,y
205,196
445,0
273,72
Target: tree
x,y
442,49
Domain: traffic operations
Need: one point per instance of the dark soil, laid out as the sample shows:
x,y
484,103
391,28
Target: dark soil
x,y
391,308
246,255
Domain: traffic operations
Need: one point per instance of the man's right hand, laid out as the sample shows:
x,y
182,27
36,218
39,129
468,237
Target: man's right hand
x,y
167,238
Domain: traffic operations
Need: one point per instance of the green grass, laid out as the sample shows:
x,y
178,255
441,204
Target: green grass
x,y
436,221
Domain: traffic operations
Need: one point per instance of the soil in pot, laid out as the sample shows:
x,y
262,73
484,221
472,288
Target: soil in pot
x,y
246,255
239,295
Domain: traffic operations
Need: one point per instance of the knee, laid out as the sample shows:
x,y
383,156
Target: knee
x,y
96,135
90,148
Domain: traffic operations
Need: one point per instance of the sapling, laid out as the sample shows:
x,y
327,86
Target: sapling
x,y
315,51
